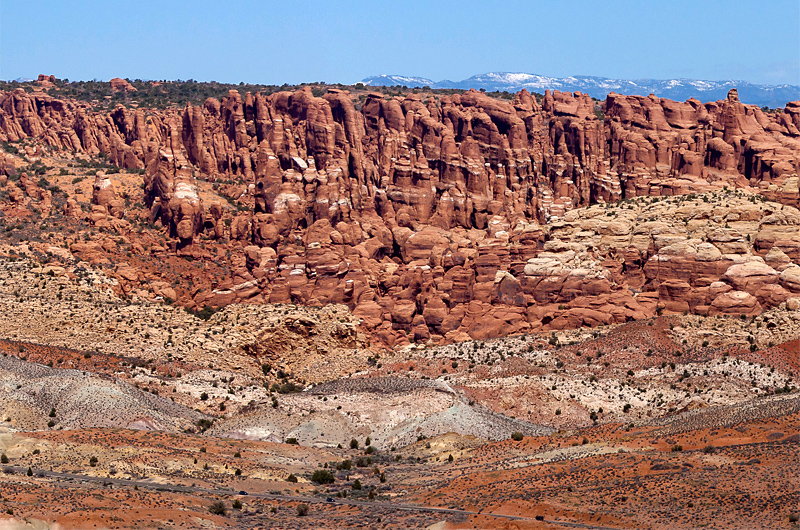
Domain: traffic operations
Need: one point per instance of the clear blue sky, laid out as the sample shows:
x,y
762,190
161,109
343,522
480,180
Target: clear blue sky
x,y
304,41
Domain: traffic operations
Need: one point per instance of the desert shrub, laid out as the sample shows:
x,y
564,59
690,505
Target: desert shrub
x,y
357,485
291,478
709,449
286,388
517,436
302,510
237,504
353,444
205,313
217,508
292,441
323,476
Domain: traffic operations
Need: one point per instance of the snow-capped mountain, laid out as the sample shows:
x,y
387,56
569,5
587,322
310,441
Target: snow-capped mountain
x,y
599,87
397,80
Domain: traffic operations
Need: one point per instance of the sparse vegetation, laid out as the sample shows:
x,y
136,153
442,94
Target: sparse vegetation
x,y
217,508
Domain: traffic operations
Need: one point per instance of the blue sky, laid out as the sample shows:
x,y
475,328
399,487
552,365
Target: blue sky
x,y
305,41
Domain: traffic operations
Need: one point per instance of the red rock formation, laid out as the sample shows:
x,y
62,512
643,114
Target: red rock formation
x,y
46,81
426,215
118,84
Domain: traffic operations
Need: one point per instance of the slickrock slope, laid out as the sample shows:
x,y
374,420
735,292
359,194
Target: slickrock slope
x,y
36,397
442,218
391,411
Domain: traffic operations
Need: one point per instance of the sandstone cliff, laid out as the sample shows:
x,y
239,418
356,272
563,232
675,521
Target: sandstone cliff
x,y
449,217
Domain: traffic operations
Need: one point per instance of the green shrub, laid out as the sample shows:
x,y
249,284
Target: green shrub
x,y
323,476
205,313
517,436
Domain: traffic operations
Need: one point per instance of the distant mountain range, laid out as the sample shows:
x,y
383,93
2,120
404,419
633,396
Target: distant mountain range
x,y
772,96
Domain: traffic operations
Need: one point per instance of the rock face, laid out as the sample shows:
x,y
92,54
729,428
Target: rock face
x,y
445,217
118,84
172,196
